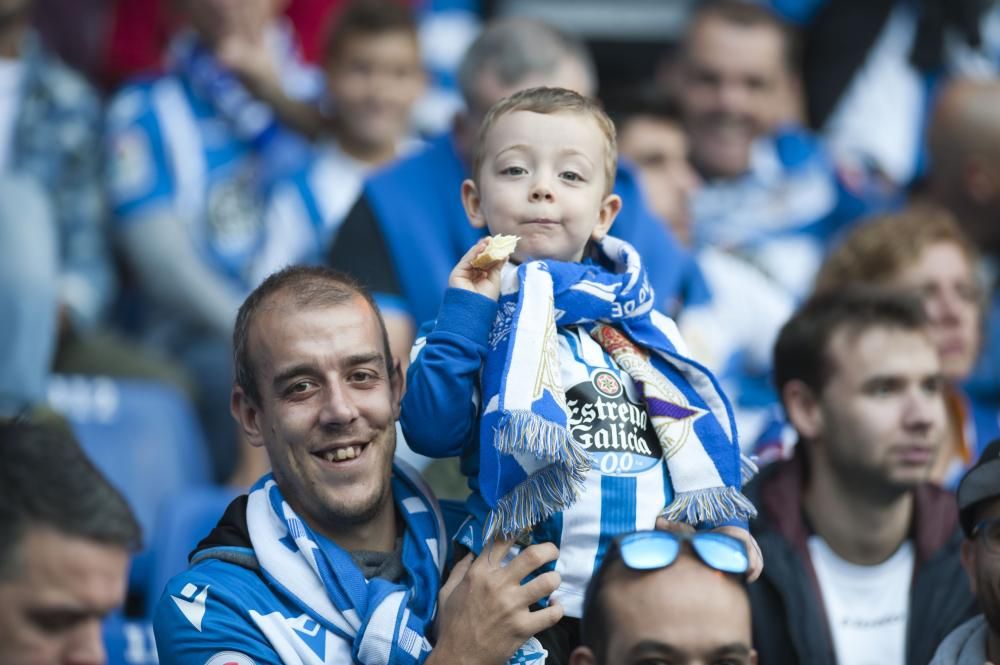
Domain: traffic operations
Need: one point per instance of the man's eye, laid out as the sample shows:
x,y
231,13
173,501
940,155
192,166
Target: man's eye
x,y
363,376
299,388
513,170
572,176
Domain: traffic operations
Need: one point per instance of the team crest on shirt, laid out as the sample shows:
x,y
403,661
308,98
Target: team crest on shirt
x,y
614,428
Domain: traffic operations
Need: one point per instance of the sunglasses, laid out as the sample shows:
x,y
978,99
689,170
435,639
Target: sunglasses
x,y
649,550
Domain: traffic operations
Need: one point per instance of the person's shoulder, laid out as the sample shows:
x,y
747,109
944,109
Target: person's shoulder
x,y
210,605
65,87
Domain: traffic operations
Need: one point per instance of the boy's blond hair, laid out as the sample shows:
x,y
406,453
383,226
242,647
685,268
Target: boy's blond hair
x,y
549,101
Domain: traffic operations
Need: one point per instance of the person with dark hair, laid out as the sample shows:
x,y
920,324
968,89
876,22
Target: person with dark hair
x,y
861,550
65,540
771,193
668,596
408,228
337,555
977,641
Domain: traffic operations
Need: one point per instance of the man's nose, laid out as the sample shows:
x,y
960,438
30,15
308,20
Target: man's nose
x,y
338,404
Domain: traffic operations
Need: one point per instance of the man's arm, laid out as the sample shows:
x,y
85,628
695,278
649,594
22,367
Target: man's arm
x,y
168,267
484,612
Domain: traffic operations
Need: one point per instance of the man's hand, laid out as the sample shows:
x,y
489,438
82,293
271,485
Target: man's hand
x,y
484,281
753,549
483,609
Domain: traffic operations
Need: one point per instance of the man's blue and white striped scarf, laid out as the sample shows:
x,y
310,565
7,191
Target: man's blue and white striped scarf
x,y
386,622
530,465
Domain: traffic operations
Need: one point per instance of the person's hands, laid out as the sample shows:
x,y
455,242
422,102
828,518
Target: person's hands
x,y
483,609
753,549
484,281
243,47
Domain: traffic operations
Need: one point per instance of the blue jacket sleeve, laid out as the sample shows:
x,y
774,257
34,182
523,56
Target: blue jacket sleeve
x,y
440,411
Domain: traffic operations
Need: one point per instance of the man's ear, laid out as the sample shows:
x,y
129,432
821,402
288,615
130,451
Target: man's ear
x,y
968,559
610,207
803,409
582,656
396,382
247,416
473,204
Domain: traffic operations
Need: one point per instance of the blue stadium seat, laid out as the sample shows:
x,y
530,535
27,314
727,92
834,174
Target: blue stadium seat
x,y
184,520
143,436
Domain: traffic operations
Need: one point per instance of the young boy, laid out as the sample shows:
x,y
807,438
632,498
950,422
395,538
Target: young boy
x,y
576,412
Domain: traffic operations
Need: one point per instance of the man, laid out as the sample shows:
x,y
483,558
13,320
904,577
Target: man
x,y
861,551
203,188
771,192
733,330
64,551
337,556
685,612
55,272
409,229
964,147
977,641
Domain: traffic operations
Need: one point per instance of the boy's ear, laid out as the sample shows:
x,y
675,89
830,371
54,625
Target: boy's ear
x,y
610,207
473,204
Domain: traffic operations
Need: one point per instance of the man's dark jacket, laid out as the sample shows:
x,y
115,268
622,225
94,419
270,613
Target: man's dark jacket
x,y
789,622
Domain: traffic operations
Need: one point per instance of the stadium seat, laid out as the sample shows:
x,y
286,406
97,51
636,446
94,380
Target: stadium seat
x,y
143,436
184,520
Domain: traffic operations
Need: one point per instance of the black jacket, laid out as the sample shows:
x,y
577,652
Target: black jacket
x,y
789,622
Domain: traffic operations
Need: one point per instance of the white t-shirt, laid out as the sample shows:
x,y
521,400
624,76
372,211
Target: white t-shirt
x,y
10,100
866,606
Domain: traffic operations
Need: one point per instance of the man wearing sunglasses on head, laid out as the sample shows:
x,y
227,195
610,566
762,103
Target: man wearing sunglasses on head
x,y
677,597
861,550
977,641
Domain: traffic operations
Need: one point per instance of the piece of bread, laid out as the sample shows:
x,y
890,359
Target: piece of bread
x,y
497,249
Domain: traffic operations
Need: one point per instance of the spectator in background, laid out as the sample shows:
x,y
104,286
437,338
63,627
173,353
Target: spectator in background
x,y
408,228
772,193
869,70
921,249
358,579
733,331
964,177
660,597
977,641
56,278
199,182
373,76
861,551
67,535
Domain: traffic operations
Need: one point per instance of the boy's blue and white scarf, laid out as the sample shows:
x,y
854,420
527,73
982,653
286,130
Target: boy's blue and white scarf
x,y
385,622
530,465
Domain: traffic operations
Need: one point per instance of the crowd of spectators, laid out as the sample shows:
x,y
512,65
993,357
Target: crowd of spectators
x,y
813,187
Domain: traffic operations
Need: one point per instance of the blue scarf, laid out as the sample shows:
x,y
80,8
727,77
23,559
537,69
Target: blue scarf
x,y
530,465
386,622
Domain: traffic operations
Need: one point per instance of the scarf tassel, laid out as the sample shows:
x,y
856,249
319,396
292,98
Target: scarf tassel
x,y
544,493
748,469
712,505
520,432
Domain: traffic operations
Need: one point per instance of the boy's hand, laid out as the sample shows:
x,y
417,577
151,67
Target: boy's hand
x,y
484,281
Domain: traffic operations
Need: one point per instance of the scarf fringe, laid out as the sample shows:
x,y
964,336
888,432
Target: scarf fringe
x,y
544,493
748,469
525,432
712,505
